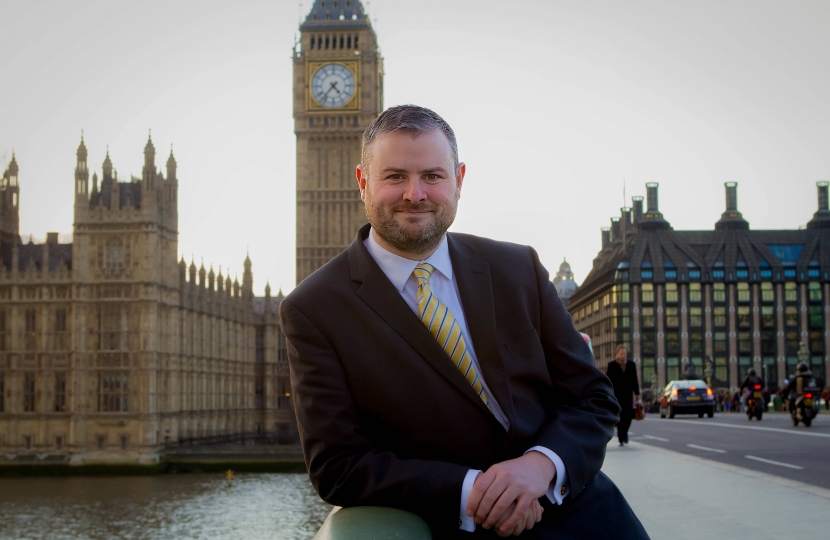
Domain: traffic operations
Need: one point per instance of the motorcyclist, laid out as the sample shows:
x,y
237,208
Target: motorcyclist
x,y
802,381
752,379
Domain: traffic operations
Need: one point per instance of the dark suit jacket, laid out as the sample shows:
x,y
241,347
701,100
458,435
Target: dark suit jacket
x,y
386,419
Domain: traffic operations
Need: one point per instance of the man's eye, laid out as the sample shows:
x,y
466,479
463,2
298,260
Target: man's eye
x,y
432,177
395,177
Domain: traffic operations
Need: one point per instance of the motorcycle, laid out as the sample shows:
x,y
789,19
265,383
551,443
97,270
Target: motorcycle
x,y
755,403
804,409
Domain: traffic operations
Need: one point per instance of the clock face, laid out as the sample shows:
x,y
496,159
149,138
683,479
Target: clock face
x,y
333,85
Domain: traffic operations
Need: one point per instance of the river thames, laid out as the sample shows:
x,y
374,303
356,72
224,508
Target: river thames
x,y
257,506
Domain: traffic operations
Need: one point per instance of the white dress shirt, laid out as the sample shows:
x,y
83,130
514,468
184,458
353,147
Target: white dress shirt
x,y
444,285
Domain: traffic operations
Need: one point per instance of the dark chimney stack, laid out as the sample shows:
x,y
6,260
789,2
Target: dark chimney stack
x,y
606,236
651,198
731,196
822,196
615,229
638,208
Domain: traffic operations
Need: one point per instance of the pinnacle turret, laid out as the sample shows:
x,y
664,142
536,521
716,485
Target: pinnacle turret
x,y
81,152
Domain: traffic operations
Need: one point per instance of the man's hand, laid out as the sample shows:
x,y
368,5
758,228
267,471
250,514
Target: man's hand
x,y
531,517
520,481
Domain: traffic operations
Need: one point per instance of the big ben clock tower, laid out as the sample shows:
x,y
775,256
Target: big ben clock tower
x,y
338,91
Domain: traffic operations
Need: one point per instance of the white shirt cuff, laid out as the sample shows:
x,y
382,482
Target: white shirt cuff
x,y
558,489
467,523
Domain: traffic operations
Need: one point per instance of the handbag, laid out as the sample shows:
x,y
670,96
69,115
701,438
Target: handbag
x,y
639,411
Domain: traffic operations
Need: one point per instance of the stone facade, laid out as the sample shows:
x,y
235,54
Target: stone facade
x,y
329,209
717,302
111,351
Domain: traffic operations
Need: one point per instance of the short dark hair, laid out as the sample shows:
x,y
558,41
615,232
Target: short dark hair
x,y
411,119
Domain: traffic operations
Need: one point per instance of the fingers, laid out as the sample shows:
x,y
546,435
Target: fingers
x,y
480,487
498,512
490,497
522,510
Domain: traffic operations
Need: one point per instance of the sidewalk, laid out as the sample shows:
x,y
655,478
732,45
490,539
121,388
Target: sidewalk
x,y
685,497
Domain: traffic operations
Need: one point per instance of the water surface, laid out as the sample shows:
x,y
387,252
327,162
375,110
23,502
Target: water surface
x,y
257,506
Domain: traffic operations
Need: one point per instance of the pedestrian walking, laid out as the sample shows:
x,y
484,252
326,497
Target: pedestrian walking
x,y
623,375
825,395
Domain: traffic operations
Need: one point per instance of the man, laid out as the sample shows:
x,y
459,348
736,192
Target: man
x,y
439,373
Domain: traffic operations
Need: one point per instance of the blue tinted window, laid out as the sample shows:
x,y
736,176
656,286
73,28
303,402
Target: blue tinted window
x,y
694,274
645,274
786,252
671,274
742,274
668,264
646,264
766,274
717,274
789,273
812,272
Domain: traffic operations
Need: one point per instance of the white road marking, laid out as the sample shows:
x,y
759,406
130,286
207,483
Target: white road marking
x,y
655,438
758,428
771,462
706,448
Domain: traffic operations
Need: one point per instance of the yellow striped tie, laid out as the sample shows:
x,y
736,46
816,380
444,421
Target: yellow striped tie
x,y
445,329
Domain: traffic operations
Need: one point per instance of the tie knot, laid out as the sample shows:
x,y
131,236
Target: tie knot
x,y
423,272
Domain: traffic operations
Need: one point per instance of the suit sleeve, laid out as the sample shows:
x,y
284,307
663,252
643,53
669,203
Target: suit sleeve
x,y
344,466
584,410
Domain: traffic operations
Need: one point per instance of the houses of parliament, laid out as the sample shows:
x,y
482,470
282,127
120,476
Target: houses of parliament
x,y
111,349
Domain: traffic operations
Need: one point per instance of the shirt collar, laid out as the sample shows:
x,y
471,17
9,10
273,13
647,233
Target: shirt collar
x,y
398,269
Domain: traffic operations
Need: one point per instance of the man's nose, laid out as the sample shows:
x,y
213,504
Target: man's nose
x,y
414,191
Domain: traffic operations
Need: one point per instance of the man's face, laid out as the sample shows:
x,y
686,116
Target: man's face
x,y
621,354
410,190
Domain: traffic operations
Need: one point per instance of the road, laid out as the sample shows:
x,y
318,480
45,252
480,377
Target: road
x,y
771,446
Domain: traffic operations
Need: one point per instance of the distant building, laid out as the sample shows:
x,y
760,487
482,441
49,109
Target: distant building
x,y
737,297
564,282
110,350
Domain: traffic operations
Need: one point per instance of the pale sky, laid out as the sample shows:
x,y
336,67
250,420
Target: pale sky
x,y
555,106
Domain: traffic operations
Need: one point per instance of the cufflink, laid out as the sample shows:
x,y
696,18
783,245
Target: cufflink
x,y
460,522
562,490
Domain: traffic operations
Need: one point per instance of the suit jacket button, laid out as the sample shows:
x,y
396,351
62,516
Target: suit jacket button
x,y
562,491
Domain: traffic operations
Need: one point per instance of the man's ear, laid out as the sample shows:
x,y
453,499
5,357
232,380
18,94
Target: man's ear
x,y
361,175
459,177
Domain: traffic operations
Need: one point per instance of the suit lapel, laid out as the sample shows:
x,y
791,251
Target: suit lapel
x,y
476,291
379,293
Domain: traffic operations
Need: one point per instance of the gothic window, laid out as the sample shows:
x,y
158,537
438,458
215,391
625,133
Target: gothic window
x,y
767,292
671,293
647,293
790,292
718,292
791,316
671,317
115,255
694,292
743,292
744,317
648,317
720,316
2,331
113,392
815,291
31,330
28,392
112,337
720,342
696,343
60,392
695,317
768,316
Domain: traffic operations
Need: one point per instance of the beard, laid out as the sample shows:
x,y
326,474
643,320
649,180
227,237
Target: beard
x,y
411,239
